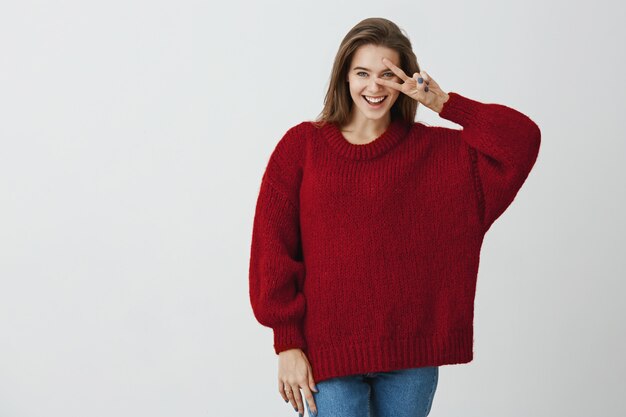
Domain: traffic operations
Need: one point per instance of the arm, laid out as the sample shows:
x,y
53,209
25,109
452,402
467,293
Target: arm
x,y
503,145
276,269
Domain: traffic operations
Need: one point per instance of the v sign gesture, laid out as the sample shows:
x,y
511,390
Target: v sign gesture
x,y
421,87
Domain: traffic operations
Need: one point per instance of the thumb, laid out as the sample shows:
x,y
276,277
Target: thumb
x,y
312,382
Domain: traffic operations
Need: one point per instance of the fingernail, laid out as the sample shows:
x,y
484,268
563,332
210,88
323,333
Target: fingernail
x,y
286,401
315,388
426,89
420,80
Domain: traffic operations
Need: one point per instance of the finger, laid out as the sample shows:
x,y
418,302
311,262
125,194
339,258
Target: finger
x,y
427,78
389,83
313,387
396,70
421,81
298,397
291,396
417,76
281,391
308,396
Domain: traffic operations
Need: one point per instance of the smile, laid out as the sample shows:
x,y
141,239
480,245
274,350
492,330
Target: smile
x,y
374,101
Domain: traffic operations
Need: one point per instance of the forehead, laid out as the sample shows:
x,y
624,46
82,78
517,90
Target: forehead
x,y
370,56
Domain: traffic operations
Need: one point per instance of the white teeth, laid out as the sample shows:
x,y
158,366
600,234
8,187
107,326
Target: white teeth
x,y
374,100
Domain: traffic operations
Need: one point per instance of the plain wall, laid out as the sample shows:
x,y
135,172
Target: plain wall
x,y
133,139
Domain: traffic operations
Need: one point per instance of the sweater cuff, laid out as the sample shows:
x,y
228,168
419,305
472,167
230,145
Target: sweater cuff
x,y
288,336
459,109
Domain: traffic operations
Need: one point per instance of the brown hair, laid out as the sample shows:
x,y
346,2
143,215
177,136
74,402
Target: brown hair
x,y
380,32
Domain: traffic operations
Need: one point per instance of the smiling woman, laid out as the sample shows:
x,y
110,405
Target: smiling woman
x,y
355,102
369,226
373,101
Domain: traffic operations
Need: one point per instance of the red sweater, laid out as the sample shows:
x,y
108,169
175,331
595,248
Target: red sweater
x,y
366,256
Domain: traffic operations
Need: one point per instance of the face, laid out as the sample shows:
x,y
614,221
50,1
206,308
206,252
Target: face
x,y
365,67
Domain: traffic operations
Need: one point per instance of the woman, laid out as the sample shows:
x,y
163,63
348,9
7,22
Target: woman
x,y
368,229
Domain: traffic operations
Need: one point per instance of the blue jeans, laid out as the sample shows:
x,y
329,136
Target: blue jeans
x,y
400,393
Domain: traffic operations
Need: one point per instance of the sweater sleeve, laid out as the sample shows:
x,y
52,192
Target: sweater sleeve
x,y
276,270
503,145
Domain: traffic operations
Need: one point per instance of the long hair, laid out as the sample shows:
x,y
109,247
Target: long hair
x,y
379,32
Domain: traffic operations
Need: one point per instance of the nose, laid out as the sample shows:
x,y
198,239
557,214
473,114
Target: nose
x,y
374,86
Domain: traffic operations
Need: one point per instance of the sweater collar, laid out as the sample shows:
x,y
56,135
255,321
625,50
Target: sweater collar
x,y
396,131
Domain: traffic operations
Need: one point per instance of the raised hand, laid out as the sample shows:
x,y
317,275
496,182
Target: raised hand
x,y
426,92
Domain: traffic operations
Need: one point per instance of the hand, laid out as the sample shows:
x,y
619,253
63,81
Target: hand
x,y
428,92
295,372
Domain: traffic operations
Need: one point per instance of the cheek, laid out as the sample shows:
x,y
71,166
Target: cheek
x,y
357,85
353,86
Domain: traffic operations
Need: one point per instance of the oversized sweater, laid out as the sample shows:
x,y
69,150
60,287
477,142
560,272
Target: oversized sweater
x,y
365,256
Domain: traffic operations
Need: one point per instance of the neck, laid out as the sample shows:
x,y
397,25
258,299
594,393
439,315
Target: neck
x,y
362,130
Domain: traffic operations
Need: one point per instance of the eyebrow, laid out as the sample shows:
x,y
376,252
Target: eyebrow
x,y
367,69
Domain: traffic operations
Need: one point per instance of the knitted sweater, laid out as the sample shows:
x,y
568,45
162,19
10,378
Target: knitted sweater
x,y
366,256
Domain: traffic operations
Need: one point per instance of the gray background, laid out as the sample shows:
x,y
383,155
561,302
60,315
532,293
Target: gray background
x,y
134,136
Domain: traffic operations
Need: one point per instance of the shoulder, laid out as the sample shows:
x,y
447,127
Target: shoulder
x,y
285,166
424,130
299,131
294,137
290,149
287,158
440,137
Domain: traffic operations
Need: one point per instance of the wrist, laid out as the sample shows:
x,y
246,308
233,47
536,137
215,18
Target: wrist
x,y
289,351
442,101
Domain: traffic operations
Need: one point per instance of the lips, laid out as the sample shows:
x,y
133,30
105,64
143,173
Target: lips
x,y
374,104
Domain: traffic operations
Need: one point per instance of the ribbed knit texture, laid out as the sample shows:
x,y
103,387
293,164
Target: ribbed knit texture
x,y
366,256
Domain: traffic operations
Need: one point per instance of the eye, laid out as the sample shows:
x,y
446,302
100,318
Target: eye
x,y
388,74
